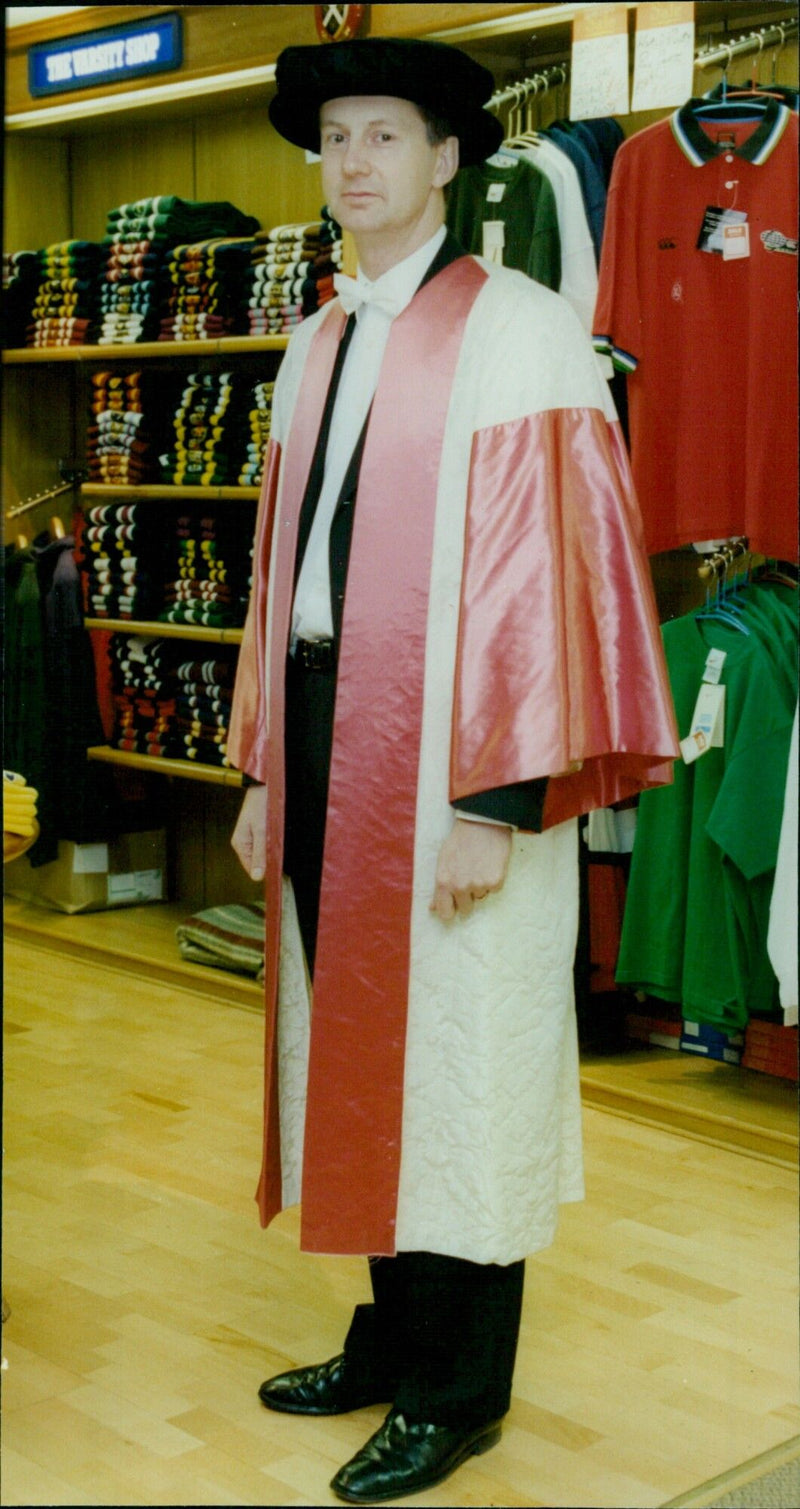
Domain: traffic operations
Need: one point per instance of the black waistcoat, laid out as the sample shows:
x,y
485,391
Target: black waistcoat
x,y
342,524
520,804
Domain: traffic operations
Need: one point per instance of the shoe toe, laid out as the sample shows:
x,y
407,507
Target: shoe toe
x,y
403,1458
325,1389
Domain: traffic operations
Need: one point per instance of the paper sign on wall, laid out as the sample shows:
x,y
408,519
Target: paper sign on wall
x,y
599,66
663,69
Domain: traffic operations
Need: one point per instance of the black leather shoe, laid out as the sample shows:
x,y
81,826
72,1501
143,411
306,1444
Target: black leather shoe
x,y
327,1389
404,1457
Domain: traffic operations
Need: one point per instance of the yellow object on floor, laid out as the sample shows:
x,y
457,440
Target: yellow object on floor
x,y
19,805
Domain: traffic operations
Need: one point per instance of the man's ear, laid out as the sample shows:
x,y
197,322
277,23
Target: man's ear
x,y
446,162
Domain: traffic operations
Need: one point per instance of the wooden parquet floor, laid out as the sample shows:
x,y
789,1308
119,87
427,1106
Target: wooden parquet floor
x,y
659,1344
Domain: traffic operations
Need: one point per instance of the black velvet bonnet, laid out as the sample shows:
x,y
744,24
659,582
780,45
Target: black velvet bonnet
x,y
441,79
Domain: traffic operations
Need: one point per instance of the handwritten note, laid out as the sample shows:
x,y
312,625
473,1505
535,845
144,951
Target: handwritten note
x,y
599,64
663,70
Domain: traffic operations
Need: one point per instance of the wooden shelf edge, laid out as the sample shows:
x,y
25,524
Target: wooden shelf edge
x,y
769,1145
155,630
150,490
226,345
212,775
40,928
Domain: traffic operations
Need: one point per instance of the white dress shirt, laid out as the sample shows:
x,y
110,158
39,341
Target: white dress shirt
x,y
312,617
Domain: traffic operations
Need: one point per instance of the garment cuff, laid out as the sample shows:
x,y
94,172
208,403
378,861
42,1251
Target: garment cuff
x,y
490,822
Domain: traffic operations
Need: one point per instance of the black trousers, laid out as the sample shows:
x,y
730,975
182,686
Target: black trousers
x,y
441,1333
440,1336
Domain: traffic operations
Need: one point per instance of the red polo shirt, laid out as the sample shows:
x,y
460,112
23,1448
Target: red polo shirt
x,y
710,344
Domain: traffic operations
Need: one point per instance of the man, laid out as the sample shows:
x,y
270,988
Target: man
x,y
448,549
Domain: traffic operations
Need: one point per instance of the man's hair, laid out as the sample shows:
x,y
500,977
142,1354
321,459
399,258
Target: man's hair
x,y
437,127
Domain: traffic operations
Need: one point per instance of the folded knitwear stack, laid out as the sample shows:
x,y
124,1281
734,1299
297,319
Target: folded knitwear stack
x,y
19,805
206,282
211,555
205,690
123,562
21,279
259,418
138,238
64,311
130,289
209,432
226,937
117,440
144,682
318,288
290,264
169,707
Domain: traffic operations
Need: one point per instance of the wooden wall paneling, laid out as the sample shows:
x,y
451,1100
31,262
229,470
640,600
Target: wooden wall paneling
x,y
187,843
36,196
134,160
240,157
242,36
37,433
220,37
417,20
216,38
206,871
225,880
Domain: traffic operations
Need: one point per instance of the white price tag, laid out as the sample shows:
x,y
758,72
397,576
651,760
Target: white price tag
x,y
708,724
494,239
495,192
714,663
735,242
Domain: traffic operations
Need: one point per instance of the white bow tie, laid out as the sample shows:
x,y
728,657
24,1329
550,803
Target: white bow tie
x,y
354,296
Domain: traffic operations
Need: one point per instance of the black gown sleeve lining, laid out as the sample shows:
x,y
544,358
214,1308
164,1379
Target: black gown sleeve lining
x,y
520,804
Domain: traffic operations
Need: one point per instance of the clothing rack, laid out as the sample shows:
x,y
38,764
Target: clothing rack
x,y
755,41
52,492
720,561
518,94
72,475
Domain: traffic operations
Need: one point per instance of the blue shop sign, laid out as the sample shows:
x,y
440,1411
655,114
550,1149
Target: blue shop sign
x,y
111,56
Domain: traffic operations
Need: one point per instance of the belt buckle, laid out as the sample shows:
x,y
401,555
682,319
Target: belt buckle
x,y
317,654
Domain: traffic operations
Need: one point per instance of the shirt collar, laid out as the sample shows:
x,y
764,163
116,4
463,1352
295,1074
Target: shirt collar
x,y
401,282
698,147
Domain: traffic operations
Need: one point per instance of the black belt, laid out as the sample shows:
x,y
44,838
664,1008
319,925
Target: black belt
x,y
315,654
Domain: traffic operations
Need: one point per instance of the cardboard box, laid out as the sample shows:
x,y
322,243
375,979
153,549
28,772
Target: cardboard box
x,y
129,871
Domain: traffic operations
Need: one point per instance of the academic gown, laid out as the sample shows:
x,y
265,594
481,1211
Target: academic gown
x,y
498,627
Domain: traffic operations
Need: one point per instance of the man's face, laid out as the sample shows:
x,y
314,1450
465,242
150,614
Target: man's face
x,y
379,170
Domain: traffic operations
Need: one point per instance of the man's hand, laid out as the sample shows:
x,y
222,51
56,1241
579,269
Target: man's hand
x,y
249,839
473,861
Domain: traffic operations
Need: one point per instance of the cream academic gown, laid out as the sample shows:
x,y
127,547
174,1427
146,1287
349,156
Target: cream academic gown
x,y
499,625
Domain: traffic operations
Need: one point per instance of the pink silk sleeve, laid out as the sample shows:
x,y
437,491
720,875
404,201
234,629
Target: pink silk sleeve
x,y
559,654
247,733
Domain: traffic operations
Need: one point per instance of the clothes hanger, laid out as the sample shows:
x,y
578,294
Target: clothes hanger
x,y
530,136
514,134
720,109
747,107
773,573
749,94
719,607
713,609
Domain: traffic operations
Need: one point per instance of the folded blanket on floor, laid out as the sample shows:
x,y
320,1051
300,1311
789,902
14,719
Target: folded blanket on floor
x,y
226,937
